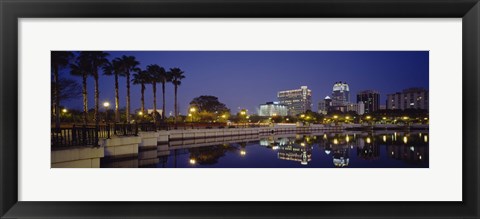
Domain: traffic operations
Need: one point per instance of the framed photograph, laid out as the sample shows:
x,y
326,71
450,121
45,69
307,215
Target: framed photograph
x,y
239,109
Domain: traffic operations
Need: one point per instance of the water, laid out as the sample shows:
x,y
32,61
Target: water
x,y
316,150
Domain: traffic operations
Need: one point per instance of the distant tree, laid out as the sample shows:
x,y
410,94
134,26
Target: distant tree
x,y
141,77
114,68
176,79
164,77
82,67
127,65
209,104
98,59
67,89
59,60
154,72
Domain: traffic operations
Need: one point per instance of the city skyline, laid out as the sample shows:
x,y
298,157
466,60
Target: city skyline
x,y
246,79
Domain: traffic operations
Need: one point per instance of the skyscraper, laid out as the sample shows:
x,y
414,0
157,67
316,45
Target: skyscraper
x,y
412,98
297,101
371,100
340,94
324,105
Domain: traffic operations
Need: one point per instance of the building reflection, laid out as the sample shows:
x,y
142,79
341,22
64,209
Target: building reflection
x,y
413,148
338,146
298,149
368,148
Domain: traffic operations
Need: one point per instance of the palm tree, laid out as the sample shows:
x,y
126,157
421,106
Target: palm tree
x,y
176,79
164,78
114,68
82,67
98,59
154,72
141,77
59,60
128,64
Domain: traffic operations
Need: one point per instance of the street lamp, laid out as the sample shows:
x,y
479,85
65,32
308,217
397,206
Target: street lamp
x,y
106,105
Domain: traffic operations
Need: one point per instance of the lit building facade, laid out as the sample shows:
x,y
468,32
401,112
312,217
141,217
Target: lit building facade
x,y
324,105
371,100
273,109
359,108
340,94
412,98
297,101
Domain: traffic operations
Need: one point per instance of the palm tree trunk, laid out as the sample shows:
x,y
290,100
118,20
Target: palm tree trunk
x,y
57,98
128,96
154,102
176,108
97,94
163,100
85,99
143,99
117,100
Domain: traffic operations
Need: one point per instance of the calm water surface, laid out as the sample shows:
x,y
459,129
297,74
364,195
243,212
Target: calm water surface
x,y
316,150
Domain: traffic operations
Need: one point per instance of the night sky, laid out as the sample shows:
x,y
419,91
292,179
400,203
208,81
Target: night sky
x,y
245,79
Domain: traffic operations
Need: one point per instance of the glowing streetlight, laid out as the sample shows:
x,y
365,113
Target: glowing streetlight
x,y
106,104
64,110
335,117
192,110
193,161
140,113
368,117
303,115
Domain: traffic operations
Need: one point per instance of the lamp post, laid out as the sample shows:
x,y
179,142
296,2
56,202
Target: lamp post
x,y
106,105
192,111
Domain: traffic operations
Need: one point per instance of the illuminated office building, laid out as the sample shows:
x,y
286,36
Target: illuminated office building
x,y
297,101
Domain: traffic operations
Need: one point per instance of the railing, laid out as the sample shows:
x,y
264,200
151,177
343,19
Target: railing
x,y
125,129
74,136
147,127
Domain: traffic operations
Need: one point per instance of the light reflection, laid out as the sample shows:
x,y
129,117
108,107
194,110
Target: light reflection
x,y
193,161
405,139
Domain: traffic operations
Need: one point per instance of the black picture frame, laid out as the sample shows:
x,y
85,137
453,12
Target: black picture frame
x,y
12,10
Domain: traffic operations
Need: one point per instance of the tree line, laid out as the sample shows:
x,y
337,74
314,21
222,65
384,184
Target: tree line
x,y
91,63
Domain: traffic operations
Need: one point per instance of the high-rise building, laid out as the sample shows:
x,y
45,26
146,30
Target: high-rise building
x,y
411,98
371,100
273,109
340,94
324,105
359,108
297,101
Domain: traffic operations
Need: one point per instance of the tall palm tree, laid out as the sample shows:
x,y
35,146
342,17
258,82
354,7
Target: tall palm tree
x,y
176,79
114,68
98,59
141,77
154,78
164,78
59,60
128,64
82,67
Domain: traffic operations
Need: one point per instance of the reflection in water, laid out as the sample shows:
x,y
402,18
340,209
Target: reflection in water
x,y
321,150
